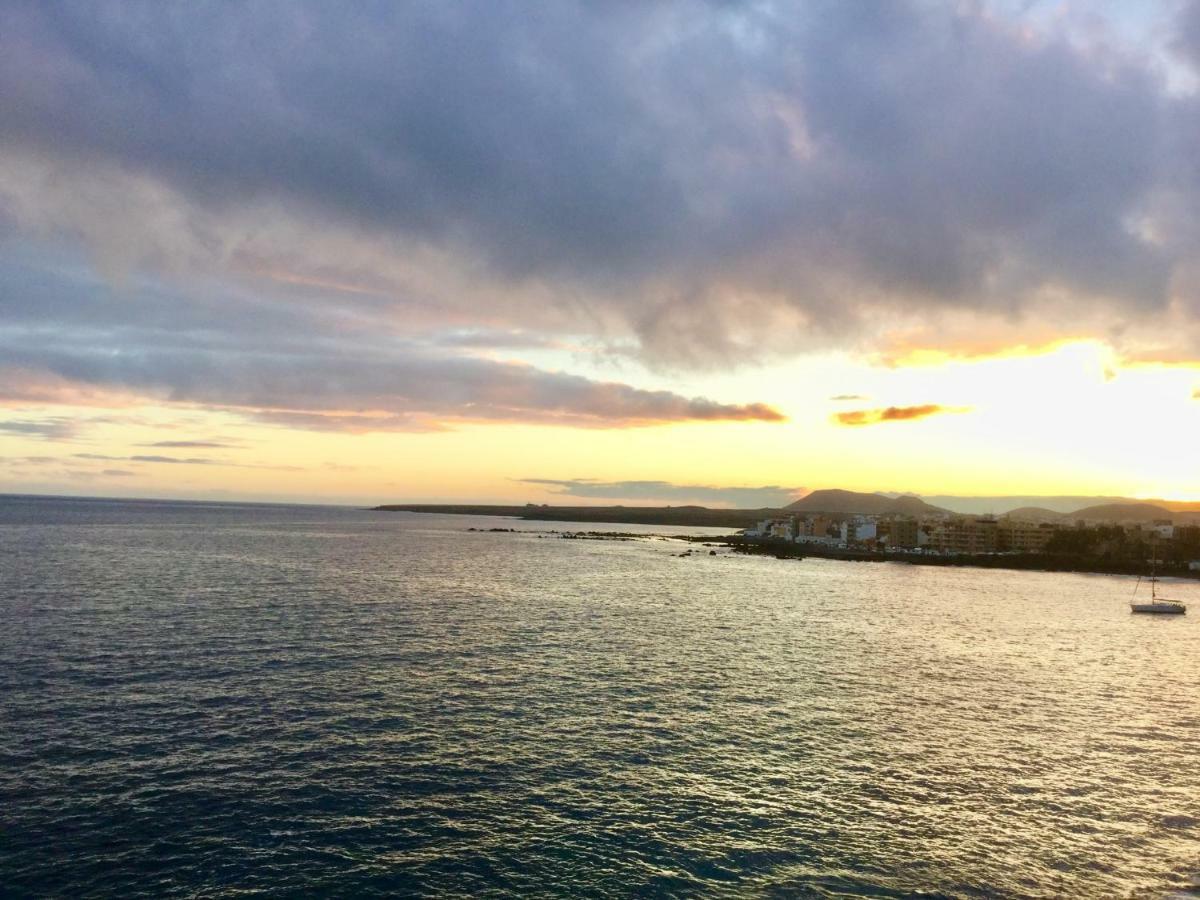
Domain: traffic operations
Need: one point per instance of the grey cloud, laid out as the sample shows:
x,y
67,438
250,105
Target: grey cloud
x,y
54,429
352,423
491,339
293,387
189,461
117,473
669,492
300,365
296,365
1187,37
713,178
198,445
184,461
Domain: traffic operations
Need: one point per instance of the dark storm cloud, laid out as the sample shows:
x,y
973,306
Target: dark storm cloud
x,y
669,492
682,172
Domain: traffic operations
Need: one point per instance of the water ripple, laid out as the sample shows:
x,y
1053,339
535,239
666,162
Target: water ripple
x,y
200,700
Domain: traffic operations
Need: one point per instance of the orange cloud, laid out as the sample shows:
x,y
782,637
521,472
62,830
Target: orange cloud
x,y
892,414
22,387
1161,358
926,349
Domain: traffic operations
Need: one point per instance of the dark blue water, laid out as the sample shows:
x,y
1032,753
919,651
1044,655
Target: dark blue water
x,y
207,699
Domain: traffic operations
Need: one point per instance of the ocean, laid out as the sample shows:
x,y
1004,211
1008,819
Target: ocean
x,y
206,699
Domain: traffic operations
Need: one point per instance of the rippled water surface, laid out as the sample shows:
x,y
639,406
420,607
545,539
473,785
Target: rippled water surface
x,y
205,699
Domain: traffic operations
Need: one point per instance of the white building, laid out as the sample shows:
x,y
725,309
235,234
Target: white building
x,y
775,528
859,530
782,530
823,540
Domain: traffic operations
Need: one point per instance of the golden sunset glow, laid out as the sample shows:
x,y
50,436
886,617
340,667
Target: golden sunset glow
x,y
1072,419
656,277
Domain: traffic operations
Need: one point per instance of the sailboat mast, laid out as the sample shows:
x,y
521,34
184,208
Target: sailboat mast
x,y
1153,570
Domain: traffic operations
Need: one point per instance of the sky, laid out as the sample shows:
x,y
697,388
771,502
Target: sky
x,y
709,252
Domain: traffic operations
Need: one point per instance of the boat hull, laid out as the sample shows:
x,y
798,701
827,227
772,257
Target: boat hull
x,y
1167,609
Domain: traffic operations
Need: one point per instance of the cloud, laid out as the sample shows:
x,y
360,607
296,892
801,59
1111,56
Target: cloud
x,y
669,492
180,461
118,473
703,183
292,363
1187,37
507,339
295,364
54,429
841,397
188,461
892,414
30,460
199,445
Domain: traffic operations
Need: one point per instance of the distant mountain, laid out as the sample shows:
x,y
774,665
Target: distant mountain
x,y
1122,512
1067,503
854,502
999,506
1033,509
1037,514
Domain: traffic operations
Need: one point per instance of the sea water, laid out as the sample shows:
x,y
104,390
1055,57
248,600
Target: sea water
x,y
202,698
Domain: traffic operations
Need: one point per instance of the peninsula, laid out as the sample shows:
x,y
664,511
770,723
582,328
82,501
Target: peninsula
x,y
622,515
1116,537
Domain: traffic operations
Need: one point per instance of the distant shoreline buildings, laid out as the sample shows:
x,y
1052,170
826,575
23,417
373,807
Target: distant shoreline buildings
x,y
954,535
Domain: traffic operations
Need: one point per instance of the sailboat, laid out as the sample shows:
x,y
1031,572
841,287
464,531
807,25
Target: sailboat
x,y
1157,604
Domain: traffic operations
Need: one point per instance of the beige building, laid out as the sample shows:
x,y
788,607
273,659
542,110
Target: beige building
x,y
813,526
902,533
967,534
1024,537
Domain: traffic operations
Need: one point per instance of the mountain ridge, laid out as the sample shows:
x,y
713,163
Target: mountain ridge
x,y
1064,504
836,500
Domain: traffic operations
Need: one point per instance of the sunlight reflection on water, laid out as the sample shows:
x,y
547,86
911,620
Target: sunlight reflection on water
x,y
199,699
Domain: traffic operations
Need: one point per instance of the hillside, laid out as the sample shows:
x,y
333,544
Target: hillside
x,y
1065,504
1000,505
855,502
1122,512
1188,506
1036,514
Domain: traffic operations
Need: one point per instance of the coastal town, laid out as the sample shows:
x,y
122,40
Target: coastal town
x,y
1114,535
950,535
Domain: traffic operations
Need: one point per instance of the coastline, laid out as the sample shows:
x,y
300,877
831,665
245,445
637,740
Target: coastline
x,y
742,518
613,515
1040,562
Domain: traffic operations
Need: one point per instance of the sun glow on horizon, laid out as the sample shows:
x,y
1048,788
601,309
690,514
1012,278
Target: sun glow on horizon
x,y
1072,419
